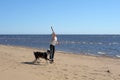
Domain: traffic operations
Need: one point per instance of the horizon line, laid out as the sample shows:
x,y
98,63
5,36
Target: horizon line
x,y
60,34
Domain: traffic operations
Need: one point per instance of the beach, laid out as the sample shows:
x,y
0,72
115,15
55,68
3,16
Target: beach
x,y
16,64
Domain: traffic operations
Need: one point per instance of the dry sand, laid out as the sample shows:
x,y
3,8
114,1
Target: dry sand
x,y
16,64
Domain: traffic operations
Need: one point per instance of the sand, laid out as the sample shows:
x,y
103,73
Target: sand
x,y
16,64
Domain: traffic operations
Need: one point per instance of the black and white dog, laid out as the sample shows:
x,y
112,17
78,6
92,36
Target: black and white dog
x,y
43,55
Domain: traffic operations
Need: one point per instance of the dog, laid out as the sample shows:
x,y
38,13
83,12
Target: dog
x,y
43,55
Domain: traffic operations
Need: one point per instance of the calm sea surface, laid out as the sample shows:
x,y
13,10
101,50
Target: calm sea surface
x,y
79,44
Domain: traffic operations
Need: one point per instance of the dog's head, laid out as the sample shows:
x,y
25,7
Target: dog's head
x,y
48,51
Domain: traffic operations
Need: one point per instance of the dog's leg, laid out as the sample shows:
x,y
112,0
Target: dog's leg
x,y
38,61
47,60
35,61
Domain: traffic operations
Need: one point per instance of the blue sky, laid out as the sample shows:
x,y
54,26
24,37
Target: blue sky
x,y
66,16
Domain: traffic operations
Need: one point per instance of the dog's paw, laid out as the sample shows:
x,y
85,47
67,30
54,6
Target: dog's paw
x,y
38,62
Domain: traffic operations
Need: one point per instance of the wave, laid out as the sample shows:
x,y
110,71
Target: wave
x,y
114,43
101,53
118,56
80,42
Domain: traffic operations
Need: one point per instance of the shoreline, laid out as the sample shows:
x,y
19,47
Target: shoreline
x,y
16,64
85,54
83,44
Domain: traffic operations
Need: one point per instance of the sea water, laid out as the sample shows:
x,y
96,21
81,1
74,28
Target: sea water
x,y
78,44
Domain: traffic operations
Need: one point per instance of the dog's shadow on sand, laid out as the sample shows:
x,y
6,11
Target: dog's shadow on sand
x,y
29,63
32,63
